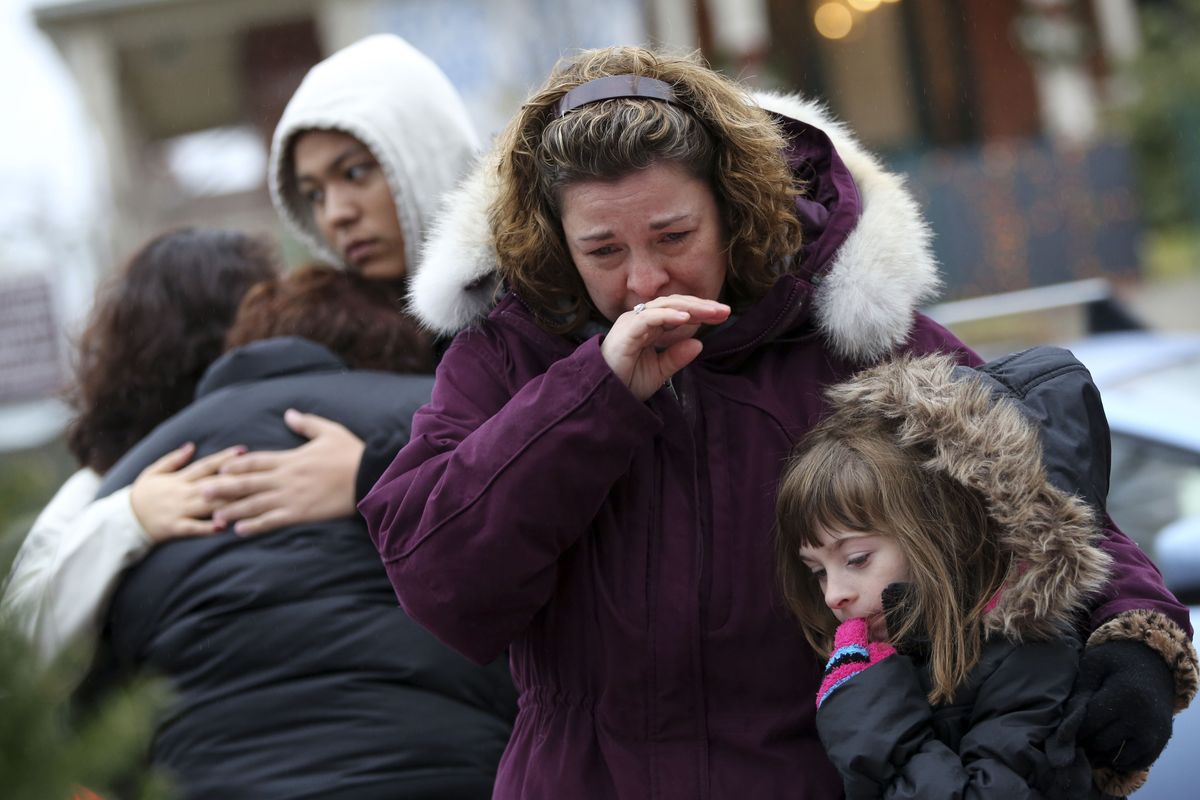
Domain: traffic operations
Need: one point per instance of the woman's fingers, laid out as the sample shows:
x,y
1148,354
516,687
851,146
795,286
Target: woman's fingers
x,y
211,464
310,426
678,356
197,505
167,505
645,328
258,461
264,523
229,489
701,311
665,314
631,348
172,460
247,507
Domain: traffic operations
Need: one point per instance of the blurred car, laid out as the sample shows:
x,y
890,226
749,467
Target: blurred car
x,y
1150,383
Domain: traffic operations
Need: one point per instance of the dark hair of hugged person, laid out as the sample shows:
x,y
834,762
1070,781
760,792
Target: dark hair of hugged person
x,y
715,132
353,316
155,328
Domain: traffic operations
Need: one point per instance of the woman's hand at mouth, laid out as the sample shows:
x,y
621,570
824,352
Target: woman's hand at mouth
x,y
643,347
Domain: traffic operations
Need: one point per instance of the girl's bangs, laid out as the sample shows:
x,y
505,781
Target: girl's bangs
x,y
836,491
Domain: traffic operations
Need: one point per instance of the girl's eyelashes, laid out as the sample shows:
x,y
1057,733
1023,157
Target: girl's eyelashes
x,y
858,560
601,252
675,236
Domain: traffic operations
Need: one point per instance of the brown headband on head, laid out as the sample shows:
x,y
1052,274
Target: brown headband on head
x,y
614,86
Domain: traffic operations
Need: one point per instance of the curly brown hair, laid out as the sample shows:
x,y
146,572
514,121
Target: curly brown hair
x,y
361,320
717,133
154,329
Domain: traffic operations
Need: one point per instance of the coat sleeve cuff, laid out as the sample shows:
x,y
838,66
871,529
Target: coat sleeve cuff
x,y
1162,636
378,454
1118,784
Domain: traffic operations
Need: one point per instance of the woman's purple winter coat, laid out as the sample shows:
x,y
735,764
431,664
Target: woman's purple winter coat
x,y
622,551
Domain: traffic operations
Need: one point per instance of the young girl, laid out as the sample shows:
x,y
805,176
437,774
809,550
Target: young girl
x,y
937,545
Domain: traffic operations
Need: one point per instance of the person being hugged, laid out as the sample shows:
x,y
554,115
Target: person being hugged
x,y
939,546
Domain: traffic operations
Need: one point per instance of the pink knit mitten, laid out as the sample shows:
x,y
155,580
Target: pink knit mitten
x,y
852,653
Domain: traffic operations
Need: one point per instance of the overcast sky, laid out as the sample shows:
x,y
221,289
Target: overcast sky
x,y
48,156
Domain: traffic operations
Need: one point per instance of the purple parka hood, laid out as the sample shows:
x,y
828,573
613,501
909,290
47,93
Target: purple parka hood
x,y
867,248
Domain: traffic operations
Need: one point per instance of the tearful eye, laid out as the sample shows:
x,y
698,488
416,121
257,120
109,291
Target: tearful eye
x,y
600,252
675,236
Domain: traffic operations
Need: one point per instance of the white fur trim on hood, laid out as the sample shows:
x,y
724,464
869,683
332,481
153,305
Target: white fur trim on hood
x,y
885,269
880,275
394,100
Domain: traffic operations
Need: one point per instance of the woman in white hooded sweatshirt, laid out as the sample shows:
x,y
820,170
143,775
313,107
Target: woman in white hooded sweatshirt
x,y
365,150
372,138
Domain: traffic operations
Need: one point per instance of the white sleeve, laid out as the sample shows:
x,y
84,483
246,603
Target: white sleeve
x,y
70,562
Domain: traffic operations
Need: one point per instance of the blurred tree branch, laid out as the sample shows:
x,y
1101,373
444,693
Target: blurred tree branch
x,y
1164,120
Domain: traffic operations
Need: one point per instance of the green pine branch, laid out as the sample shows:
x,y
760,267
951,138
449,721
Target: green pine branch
x,y
46,753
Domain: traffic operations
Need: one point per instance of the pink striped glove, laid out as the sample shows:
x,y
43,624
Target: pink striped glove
x,y
852,653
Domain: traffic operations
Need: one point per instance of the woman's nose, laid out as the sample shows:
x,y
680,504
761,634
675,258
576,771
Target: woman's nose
x,y
340,205
646,276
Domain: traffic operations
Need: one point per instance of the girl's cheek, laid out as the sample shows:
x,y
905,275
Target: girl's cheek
x,y
877,628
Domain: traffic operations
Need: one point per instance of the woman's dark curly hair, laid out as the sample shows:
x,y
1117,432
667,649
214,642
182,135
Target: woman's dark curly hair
x,y
155,328
361,320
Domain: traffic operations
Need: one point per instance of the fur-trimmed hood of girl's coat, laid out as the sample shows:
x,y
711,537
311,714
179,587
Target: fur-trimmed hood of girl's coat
x,y
1027,432
869,281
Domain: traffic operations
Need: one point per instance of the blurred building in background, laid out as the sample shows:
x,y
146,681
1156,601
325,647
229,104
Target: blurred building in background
x,y
996,110
185,93
994,107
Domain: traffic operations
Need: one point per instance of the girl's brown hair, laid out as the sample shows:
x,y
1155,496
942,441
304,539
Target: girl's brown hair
x,y
847,477
359,319
154,329
717,133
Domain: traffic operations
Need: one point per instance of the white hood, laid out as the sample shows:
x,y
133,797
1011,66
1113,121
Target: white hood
x,y
394,100
880,275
